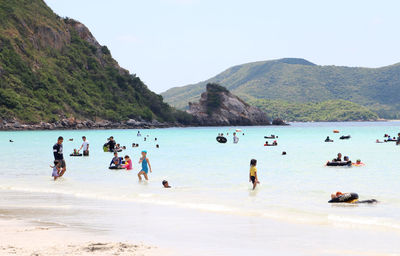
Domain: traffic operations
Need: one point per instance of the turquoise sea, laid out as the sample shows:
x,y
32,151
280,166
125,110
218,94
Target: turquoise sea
x,y
211,207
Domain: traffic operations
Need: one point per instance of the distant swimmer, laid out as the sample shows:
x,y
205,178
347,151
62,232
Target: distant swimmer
x,y
56,169
58,155
235,138
398,139
84,146
157,146
328,139
358,163
284,153
139,134
378,141
253,173
11,141
165,184
145,166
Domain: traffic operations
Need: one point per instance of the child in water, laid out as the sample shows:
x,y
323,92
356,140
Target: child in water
x,y
253,173
56,169
145,166
128,163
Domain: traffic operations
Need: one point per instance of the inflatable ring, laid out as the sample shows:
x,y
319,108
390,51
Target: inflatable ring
x,y
75,155
115,167
221,139
345,198
339,163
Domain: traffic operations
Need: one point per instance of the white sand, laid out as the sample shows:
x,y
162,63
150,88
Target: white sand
x,y
21,238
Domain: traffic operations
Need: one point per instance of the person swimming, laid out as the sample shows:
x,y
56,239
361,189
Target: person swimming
x,y
165,184
358,163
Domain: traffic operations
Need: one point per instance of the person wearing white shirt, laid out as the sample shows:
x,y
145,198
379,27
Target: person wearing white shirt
x,y
85,146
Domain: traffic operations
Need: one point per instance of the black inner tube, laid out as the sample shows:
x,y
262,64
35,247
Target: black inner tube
x,y
347,197
348,163
221,139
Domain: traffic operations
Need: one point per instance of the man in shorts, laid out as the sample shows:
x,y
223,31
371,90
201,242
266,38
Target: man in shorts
x,y
58,155
85,146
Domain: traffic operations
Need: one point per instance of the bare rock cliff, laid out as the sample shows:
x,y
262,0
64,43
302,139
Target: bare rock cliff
x,y
219,107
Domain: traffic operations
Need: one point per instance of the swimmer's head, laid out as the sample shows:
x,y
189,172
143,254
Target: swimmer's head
x,y
358,161
126,157
144,153
56,162
253,162
60,140
115,154
165,184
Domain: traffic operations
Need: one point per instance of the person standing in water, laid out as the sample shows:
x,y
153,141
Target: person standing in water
x,y
253,173
85,146
235,138
58,155
145,166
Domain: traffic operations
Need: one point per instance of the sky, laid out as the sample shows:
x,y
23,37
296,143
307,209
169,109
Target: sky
x,y
169,43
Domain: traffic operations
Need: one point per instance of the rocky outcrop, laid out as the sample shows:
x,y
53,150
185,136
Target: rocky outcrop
x,y
278,121
219,107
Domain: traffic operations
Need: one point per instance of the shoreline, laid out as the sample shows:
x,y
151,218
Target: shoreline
x,y
30,230
66,124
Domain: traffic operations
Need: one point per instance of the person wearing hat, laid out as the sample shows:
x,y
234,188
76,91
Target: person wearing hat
x,y
145,166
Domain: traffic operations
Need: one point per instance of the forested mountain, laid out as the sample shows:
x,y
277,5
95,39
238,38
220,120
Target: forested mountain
x,y
53,68
299,81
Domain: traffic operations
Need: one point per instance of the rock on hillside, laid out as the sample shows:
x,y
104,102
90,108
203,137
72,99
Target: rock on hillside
x,y
219,107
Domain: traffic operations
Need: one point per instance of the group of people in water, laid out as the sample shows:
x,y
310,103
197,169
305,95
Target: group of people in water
x,y
222,139
345,162
59,168
117,162
388,138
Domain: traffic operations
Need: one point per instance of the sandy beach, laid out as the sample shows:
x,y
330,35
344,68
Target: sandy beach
x,y
24,238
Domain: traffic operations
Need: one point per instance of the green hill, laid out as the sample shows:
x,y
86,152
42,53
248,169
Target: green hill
x,y
53,68
331,110
300,81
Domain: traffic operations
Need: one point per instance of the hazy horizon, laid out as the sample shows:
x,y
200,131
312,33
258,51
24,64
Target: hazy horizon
x,y
170,43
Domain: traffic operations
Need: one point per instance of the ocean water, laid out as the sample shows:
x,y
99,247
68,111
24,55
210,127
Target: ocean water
x,y
211,179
